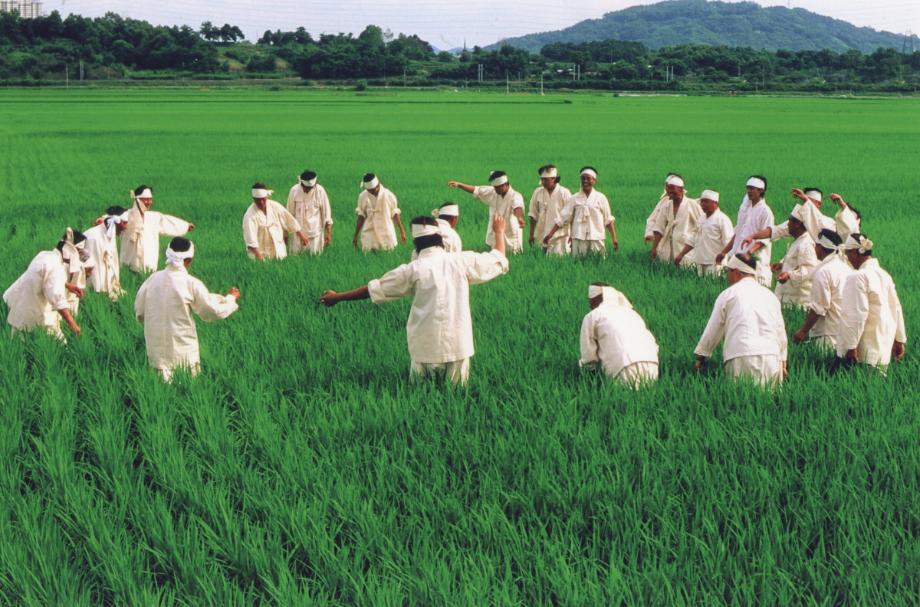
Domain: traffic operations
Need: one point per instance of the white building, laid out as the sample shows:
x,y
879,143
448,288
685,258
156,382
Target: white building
x,y
26,8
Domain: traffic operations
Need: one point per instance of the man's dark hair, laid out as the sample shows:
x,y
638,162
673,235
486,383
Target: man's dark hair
x,y
601,284
308,175
547,167
180,244
497,174
763,179
139,189
424,242
748,260
674,175
856,236
256,186
584,168
831,235
368,177
78,237
116,210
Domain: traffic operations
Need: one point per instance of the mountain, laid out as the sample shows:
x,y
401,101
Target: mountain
x,y
676,22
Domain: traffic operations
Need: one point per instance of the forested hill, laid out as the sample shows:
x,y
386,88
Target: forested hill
x,y
679,22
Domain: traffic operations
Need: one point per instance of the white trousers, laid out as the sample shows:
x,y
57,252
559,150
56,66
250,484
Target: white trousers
x,y
711,270
583,248
166,373
765,371
637,374
559,247
458,371
825,343
315,246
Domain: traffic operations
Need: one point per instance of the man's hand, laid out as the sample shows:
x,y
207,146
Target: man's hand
x,y
191,227
328,240
498,224
303,239
234,291
719,258
76,330
648,239
531,240
785,370
75,290
798,193
678,259
354,241
653,254
897,351
852,356
838,199
546,241
783,277
776,267
747,242
700,363
453,184
800,336
329,298
616,244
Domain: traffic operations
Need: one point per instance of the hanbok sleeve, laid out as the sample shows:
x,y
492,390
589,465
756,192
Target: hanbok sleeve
x,y
483,267
482,193
808,261
608,214
715,329
327,209
847,222
173,226
855,313
728,231
779,232
588,343
53,283
901,333
821,294
535,206
140,301
211,306
250,232
565,215
393,285
288,221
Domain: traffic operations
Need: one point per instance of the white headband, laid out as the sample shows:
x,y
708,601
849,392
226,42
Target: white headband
x,y
500,180
590,172
422,229
814,195
370,185
756,182
450,210
260,193
675,181
610,296
710,195
549,173
177,259
71,252
736,264
145,194
827,244
863,245
798,213
308,183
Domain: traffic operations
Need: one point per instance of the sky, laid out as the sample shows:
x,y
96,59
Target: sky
x,y
445,24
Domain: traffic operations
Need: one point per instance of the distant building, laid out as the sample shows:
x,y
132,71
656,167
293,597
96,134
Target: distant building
x,y
26,8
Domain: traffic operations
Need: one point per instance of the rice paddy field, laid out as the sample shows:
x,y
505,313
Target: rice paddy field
x,y
303,467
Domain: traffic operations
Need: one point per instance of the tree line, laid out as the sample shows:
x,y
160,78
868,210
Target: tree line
x,y
47,48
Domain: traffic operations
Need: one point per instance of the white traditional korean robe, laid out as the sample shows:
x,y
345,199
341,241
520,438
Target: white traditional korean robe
x,y
378,232
750,319
140,242
872,318
800,262
103,253
677,229
440,329
313,212
751,219
36,296
265,231
826,299
449,236
712,235
588,216
164,304
79,280
504,206
616,338
545,208
653,216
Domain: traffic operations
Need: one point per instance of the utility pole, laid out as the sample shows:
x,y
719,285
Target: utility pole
x,y
66,76
541,84
81,70
507,83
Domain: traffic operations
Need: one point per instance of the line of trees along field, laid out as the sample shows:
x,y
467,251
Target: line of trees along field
x,y
112,47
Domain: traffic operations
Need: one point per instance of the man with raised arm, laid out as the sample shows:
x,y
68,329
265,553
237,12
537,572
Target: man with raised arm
x,y
140,241
503,201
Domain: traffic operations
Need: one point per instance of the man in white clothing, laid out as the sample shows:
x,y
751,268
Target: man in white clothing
x,y
714,231
754,215
614,337
675,224
660,206
165,303
102,247
447,216
845,222
825,304
440,327
309,204
378,217
793,273
872,330
749,318
546,203
38,298
504,201
266,225
587,214
140,242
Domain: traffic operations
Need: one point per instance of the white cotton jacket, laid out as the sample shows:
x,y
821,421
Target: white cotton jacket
x,y
826,299
378,211
616,337
712,234
103,253
311,210
504,206
751,219
440,327
165,303
749,317
872,318
36,296
800,262
653,216
265,231
140,242
545,207
588,214
676,229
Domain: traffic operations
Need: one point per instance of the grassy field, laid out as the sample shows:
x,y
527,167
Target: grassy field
x,y
302,467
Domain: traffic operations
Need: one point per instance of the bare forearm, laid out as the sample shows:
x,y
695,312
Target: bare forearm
x,y
810,321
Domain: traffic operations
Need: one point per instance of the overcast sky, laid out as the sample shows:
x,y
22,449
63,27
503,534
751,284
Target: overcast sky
x,y
444,23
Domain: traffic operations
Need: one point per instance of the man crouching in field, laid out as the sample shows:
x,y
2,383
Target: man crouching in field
x,y
614,337
440,327
165,303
